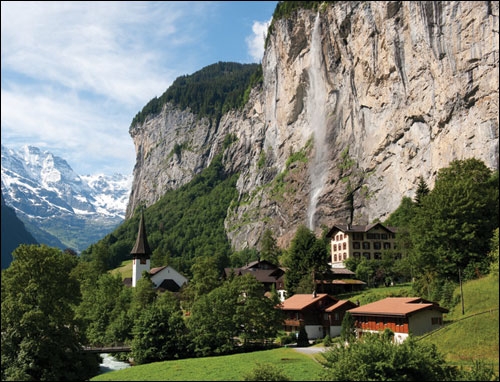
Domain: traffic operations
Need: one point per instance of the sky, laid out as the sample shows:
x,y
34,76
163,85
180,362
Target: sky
x,y
74,74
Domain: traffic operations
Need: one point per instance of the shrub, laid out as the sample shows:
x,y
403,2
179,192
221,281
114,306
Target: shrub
x,y
266,372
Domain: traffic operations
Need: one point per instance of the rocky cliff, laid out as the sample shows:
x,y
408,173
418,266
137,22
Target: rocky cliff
x,y
358,100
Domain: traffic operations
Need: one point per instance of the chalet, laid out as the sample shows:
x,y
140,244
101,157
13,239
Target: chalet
x,y
337,281
402,315
270,275
164,278
358,241
319,313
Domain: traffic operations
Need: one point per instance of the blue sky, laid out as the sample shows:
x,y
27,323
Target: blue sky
x,y
74,74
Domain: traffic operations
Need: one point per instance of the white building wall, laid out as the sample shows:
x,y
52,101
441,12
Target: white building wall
x,y
314,331
398,337
421,322
335,331
137,269
168,273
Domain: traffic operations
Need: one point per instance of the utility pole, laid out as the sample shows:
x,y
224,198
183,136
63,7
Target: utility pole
x,y
461,290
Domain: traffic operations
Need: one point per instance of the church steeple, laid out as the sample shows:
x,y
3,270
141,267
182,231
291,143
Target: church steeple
x,y
141,248
141,253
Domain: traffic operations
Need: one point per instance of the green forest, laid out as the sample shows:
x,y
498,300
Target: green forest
x,y
209,92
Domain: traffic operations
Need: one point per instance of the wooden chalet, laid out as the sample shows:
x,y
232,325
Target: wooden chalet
x,y
319,313
268,274
402,315
337,281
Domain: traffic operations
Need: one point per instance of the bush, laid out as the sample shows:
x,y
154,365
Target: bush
x,y
327,341
266,372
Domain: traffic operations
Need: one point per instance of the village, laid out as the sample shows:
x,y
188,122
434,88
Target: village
x,y
319,313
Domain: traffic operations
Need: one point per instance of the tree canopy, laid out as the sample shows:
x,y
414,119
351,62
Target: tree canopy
x,y
41,339
209,92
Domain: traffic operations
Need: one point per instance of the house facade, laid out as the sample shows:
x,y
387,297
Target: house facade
x,y
318,313
402,315
270,275
360,241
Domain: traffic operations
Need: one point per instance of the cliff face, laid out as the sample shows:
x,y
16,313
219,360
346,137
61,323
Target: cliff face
x,y
358,99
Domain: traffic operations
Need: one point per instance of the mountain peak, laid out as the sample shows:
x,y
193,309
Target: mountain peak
x,y
42,187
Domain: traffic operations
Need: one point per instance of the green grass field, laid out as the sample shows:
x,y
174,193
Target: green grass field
x,y
464,339
295,365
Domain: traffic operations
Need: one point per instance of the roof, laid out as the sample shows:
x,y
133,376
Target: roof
x,y
341,271
347,228
340,304
170,285
154,271
396,306
141,247
302,301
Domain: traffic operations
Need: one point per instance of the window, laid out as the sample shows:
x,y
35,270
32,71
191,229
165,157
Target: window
x,y
377,255
366,245
383,236
356,245
377,245
345,255
335,247
344,246
366,255
387,245
437,321
334,257
357,236
356,255
143,260
336,316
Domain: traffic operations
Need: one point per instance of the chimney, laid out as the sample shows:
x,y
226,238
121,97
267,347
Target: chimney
x,y
314,293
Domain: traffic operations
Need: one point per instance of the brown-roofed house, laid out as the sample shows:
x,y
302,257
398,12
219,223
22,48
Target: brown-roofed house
x,y
402,315
319,313
267,273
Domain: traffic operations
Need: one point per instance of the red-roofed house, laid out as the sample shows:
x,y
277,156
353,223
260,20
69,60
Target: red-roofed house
x,y
320,314
403,315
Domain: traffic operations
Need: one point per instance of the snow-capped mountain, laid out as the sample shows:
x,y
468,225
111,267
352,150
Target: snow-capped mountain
x,y
48,195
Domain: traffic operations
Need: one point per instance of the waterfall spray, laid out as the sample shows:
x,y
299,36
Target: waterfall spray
x,y
316,103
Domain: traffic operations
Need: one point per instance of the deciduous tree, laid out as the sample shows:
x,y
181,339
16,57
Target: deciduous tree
x,y
41,339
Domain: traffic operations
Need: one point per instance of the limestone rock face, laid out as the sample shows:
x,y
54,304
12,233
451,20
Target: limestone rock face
x,y
358,99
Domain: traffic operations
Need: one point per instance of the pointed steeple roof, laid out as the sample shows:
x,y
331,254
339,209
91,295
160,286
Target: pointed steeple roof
x,y
141,247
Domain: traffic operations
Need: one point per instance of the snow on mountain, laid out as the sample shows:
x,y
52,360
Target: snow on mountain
x,y
43,188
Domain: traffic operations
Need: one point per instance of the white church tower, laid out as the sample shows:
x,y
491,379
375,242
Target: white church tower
x,y
141,253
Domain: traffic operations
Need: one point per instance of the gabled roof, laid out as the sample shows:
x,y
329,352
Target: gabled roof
x,y
154,271
302,301
339,304
396,306
263,271
170,285
347,228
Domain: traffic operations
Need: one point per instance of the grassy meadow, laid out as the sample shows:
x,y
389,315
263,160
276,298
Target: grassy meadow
x,y
125,269
465,338
295,365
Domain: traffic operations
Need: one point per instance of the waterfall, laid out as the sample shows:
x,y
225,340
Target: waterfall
x,y
316,103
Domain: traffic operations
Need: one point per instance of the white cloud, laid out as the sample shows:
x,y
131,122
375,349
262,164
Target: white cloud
x,y
256,41
74,74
